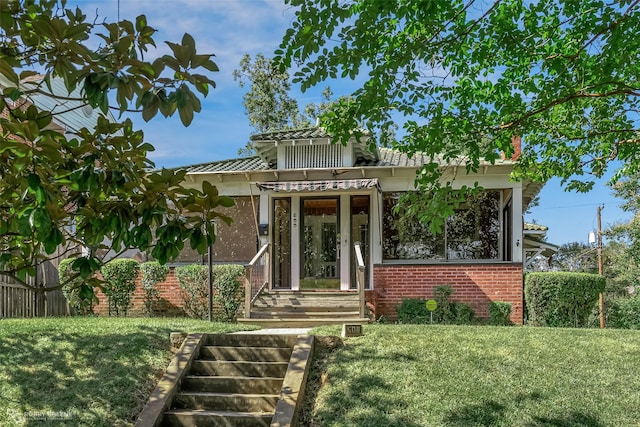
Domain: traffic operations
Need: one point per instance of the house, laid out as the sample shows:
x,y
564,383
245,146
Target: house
x,y
536,248
313,217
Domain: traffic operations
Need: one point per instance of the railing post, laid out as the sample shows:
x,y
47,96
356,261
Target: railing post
x,y
247,291
361,290
360,277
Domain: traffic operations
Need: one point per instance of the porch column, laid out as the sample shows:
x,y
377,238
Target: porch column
x,y
295,242
345,238
517,246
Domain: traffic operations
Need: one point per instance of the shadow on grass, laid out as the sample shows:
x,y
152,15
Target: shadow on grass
x,y
71,379
492,413
364,400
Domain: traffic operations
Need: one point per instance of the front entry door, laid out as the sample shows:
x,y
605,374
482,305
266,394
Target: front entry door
x,y
320,244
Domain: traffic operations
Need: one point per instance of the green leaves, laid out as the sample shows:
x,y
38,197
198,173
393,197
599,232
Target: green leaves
x,y
87,183
462,80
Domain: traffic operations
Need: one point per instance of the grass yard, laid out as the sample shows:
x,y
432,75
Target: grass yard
x,y
84,371
409,375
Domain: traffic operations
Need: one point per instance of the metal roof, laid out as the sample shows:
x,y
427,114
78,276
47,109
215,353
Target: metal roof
x,y
388,158
247,164
71,114
291,134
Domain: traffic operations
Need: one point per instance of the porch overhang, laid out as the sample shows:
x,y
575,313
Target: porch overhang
x,y
320,185
534,248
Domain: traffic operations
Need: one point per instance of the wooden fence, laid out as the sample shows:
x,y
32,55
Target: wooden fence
x,y
18,301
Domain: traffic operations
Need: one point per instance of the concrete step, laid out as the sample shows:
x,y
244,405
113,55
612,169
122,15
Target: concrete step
x,y
287,322
249,340
269,313
239,368
306,308
204,418
233,384
226,401
264,354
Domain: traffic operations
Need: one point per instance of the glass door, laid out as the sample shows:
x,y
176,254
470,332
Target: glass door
x,y
281,253
320,240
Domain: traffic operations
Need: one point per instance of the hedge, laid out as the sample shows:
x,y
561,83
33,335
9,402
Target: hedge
x,y
624,313
120,282
152,273
561,299
413,310
227,288
80,296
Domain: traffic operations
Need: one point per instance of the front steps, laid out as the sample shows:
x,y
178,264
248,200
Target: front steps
x,y
230,380
305,309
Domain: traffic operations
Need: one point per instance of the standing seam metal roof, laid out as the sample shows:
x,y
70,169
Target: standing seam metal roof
x,y
388,158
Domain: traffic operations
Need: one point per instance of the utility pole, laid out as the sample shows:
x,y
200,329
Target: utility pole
x,y
601,303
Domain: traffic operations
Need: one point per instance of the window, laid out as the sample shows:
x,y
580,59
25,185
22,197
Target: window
x,y
472,233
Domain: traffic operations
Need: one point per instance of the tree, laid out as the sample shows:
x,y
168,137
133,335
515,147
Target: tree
x,y
267,103
627,234
576,257
465,76
95,182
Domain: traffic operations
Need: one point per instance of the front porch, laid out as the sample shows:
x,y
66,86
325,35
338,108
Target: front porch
x,y
271,307
305,309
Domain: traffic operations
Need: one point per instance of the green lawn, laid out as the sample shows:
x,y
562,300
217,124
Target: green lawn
x,y
84,371
479,376
99,372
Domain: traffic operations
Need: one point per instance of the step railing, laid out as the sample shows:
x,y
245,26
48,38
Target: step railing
x,y
360,282
256,278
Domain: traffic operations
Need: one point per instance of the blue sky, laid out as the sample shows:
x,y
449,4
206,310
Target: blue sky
x,y
231,28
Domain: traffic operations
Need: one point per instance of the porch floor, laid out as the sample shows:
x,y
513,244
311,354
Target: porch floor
x,y
305,309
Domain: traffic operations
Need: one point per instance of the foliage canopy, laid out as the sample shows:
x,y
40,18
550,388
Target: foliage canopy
x,y
464,76
64,187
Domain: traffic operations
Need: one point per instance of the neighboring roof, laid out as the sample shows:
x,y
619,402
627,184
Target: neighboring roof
x,y
534,227
534,243
71,114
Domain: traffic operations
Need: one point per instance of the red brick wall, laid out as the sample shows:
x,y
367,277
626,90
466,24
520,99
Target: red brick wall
x,y
474,284
170,303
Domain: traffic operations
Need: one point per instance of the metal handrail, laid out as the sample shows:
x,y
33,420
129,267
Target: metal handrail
x,y
360,276
250,294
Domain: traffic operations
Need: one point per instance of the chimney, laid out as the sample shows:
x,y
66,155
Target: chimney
x,y
516,141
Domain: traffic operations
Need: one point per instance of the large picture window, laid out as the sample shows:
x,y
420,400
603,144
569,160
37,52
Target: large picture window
x,y
472,233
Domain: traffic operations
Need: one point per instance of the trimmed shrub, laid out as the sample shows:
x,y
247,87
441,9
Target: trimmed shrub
x,y
463,313
152,273
500,313
227,287
412,310
624,313
228,290
194,281
80,295
561,299
120,276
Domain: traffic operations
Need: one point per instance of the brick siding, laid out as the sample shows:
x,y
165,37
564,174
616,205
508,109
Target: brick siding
x,y
170,303
474,284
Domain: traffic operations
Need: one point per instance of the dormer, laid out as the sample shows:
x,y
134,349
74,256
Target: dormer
x,y
310,148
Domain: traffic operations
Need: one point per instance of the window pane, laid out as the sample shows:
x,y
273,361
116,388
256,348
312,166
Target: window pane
x,y
472,233
404,237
